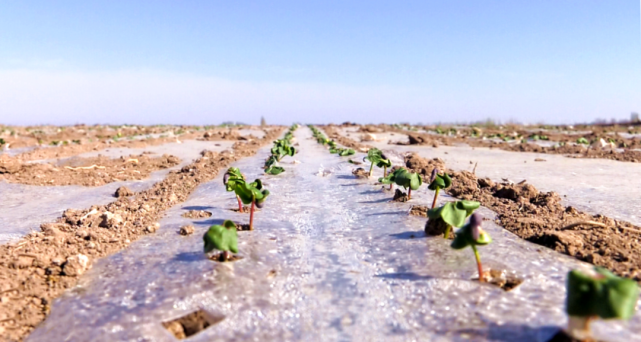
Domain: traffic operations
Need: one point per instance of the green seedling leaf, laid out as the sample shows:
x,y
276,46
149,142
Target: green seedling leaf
x,y
454,213
471,234
221,237
438,181
376,157
408,179
346,152
583,141
601,294
274,170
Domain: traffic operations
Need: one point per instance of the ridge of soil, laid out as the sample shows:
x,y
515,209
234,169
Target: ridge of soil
x,y
94,171
42,265
571,151
331,132
539,217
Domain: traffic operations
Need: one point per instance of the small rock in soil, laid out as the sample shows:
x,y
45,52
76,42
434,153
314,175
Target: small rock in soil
x,y
123,191
76,265
186,230
110,220
152,228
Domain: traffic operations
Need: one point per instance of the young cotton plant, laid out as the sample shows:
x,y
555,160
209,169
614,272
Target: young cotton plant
x,y
231,179
223,238
270,167
376,157
451,214
254,194
597,294
282,148
408,180
438,182
473,235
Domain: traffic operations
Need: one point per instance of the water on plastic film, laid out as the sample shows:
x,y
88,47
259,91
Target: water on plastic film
x,y
330,259
25,207
597,186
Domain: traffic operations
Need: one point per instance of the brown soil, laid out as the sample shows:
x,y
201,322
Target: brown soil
x,y
42,265
191,324
570,150
69,150
419,210
399,196
86,171
539,217
196,214
438,227
123,191
230,134
186,230
501,279
360,173
331,132
243,227
220,257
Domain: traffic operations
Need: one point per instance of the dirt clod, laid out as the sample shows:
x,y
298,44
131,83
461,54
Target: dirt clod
x,y
195,214
187,230
360,173
400,196
437,227
123,191
75,265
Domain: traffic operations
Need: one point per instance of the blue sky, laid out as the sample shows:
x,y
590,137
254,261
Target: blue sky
x,y
201,62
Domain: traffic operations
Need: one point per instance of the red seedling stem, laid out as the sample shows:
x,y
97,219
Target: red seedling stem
x,y
435,197
251,217
409,194
240,204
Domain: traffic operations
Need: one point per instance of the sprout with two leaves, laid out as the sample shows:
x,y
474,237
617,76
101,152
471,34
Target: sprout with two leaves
x,y
282,148
473,235
438,182
223,238
597,294
271,168
376,157
404,178
231,179
247,193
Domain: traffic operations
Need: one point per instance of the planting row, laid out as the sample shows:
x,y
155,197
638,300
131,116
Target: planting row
x,y
590,295
223,239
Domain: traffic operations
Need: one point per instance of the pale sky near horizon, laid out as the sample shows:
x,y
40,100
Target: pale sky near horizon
x,y
205,62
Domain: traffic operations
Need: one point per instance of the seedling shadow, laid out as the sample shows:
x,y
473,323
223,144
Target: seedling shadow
x,y
370,192
210,222
346,177
376,201
409,235
404,276
511,332
197,207
189,256
389,213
